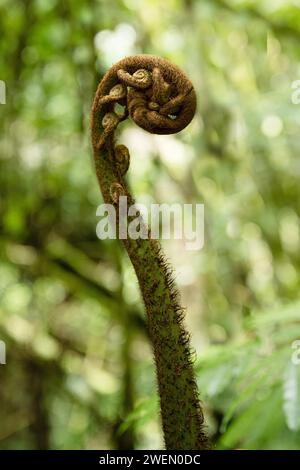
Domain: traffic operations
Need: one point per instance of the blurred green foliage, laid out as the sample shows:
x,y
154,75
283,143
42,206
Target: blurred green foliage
x,y
79,370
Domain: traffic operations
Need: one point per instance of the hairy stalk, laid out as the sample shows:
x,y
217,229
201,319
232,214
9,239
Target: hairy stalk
x,y
160,99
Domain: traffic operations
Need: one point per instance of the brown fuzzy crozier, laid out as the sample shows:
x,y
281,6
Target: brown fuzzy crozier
x,y
159,98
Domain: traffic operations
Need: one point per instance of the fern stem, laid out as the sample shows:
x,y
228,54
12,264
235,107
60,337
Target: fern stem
x,y
152,90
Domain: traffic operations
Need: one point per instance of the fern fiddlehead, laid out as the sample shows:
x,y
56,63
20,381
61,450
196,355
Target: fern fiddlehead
x,y
160,99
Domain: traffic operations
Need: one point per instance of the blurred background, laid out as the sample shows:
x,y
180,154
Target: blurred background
x,y
79,372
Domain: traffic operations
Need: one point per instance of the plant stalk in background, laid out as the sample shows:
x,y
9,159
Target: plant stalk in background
x,y
160,99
